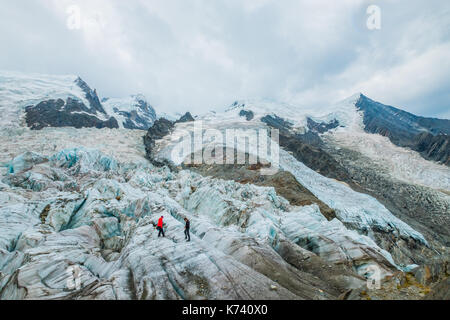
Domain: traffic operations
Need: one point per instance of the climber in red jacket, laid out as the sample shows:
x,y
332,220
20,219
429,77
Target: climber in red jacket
x,y
160,227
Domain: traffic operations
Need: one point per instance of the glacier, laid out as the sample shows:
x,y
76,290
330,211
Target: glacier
x,y
359,211
85,202
103,223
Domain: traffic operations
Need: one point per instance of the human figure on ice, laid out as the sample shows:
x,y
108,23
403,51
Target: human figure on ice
x,y
160,227
187,236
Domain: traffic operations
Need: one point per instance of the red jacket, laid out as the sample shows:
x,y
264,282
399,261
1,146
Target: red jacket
x,y
160,222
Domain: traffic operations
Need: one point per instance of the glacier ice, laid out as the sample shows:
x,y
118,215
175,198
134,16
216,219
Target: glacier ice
x,y
25,162
105,228
358,211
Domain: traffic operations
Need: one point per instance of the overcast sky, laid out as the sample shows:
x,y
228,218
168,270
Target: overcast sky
x,y
202,54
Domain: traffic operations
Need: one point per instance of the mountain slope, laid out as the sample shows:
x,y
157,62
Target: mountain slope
x,y
429,136
78,207
40,101
133,112
326,142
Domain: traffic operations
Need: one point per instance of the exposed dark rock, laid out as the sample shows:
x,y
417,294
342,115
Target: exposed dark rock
x,y
249,115
69,113
57,113
142,118
44,214
440,291
432,272
428,215
428,136
423,208
133,120
286,129
74,113
321,127
185,118
433,147
297,271
337,275
313,157
311,138
159,130
91,96
278,123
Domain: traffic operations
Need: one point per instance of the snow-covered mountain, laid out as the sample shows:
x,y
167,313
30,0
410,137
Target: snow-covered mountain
x,y
387,191
133,112
354,198
41,101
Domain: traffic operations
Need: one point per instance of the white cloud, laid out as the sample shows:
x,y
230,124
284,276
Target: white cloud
x,y
201,54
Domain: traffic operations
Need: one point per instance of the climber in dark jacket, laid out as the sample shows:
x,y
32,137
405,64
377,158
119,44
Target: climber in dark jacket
x,y
187,236
160,227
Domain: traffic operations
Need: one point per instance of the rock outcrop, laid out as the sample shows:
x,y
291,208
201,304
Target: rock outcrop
x,y
187,117
311,155
69,113
133,112
422,207
249,115
429,136
159,130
